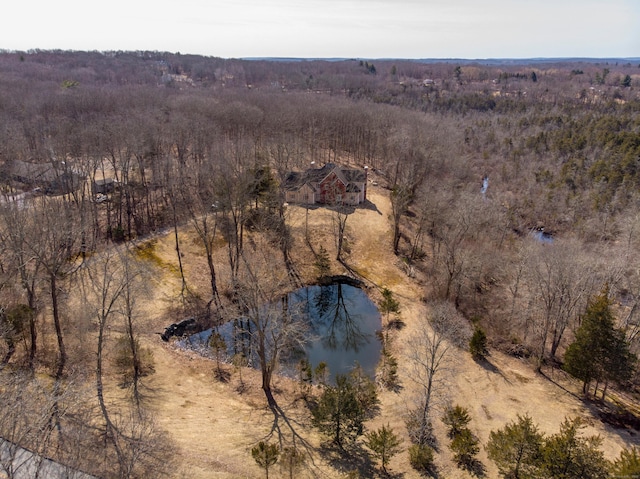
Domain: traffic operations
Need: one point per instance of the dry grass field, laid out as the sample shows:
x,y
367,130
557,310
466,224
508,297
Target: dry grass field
x,y
213,426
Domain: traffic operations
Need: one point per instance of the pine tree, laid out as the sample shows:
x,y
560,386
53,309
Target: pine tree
x,y
478,344
567,455
627,465
464,444
389,305
599,352
516,449
421,458
465,448
384,444
265,455
338,413
218,346
322,263
457,418
305,377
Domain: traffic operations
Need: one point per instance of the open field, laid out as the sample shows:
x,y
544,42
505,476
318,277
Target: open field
x,y
214,427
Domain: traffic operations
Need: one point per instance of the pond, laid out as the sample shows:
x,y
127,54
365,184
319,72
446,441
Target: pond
x,y
342,322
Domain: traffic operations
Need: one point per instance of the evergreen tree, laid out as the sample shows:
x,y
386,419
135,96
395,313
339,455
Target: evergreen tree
x,y
338,413
322,263
387,372
516,449
478,344
321,373
384,444
627,465
389,305
421,458
218,346
566,455
457,418
464,444
465,448
305,377
265,455
599,352
365,390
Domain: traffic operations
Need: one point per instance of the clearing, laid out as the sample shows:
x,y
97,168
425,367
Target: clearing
x,y
214,427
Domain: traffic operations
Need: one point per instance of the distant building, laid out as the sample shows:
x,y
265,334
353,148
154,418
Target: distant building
x,y
329,184
103,186
52,178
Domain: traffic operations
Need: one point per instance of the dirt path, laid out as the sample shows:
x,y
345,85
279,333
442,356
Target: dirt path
x,y
214,427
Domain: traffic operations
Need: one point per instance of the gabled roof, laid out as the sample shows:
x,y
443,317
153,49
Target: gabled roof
x,y
357,176
32,171
295,180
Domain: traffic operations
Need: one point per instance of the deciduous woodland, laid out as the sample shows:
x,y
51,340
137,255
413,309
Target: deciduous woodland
x,y
499,238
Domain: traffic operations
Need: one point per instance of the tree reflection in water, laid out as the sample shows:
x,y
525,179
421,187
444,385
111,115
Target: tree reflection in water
x,y
342,323
338,320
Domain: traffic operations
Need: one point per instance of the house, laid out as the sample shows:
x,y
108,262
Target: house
x,y
54,177
330,184
103,186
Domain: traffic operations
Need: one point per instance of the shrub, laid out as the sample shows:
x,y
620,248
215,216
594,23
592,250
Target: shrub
x,y
478,344
421,458
124,360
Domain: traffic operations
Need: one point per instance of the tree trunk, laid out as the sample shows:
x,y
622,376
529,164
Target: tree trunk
x,y
62,353
179,255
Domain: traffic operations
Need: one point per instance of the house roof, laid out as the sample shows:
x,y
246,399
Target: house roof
x,y
295,179
32,171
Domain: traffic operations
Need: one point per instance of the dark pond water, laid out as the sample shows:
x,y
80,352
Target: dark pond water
x,y
341,320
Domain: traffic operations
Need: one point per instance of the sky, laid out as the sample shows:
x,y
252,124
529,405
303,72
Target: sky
x,y
329,28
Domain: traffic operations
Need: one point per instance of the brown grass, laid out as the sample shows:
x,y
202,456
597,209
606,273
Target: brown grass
x,y
214,426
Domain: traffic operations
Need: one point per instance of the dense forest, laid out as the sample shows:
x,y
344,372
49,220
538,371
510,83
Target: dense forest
x,y
514,191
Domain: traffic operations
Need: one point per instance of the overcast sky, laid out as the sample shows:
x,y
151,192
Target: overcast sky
x,y
329,28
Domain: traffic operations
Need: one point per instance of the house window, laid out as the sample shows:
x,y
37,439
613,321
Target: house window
x,y
338,198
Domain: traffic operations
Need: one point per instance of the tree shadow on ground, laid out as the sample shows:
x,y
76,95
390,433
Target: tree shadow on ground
x,y
488,366
618,419
222,376
284,426
476,468
352,457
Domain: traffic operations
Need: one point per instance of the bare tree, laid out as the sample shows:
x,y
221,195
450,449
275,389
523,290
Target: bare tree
x,y
453,230
276,327
339,219
109,292
199,199
25,412
19,228
560,280
56,248
105,283
430,364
